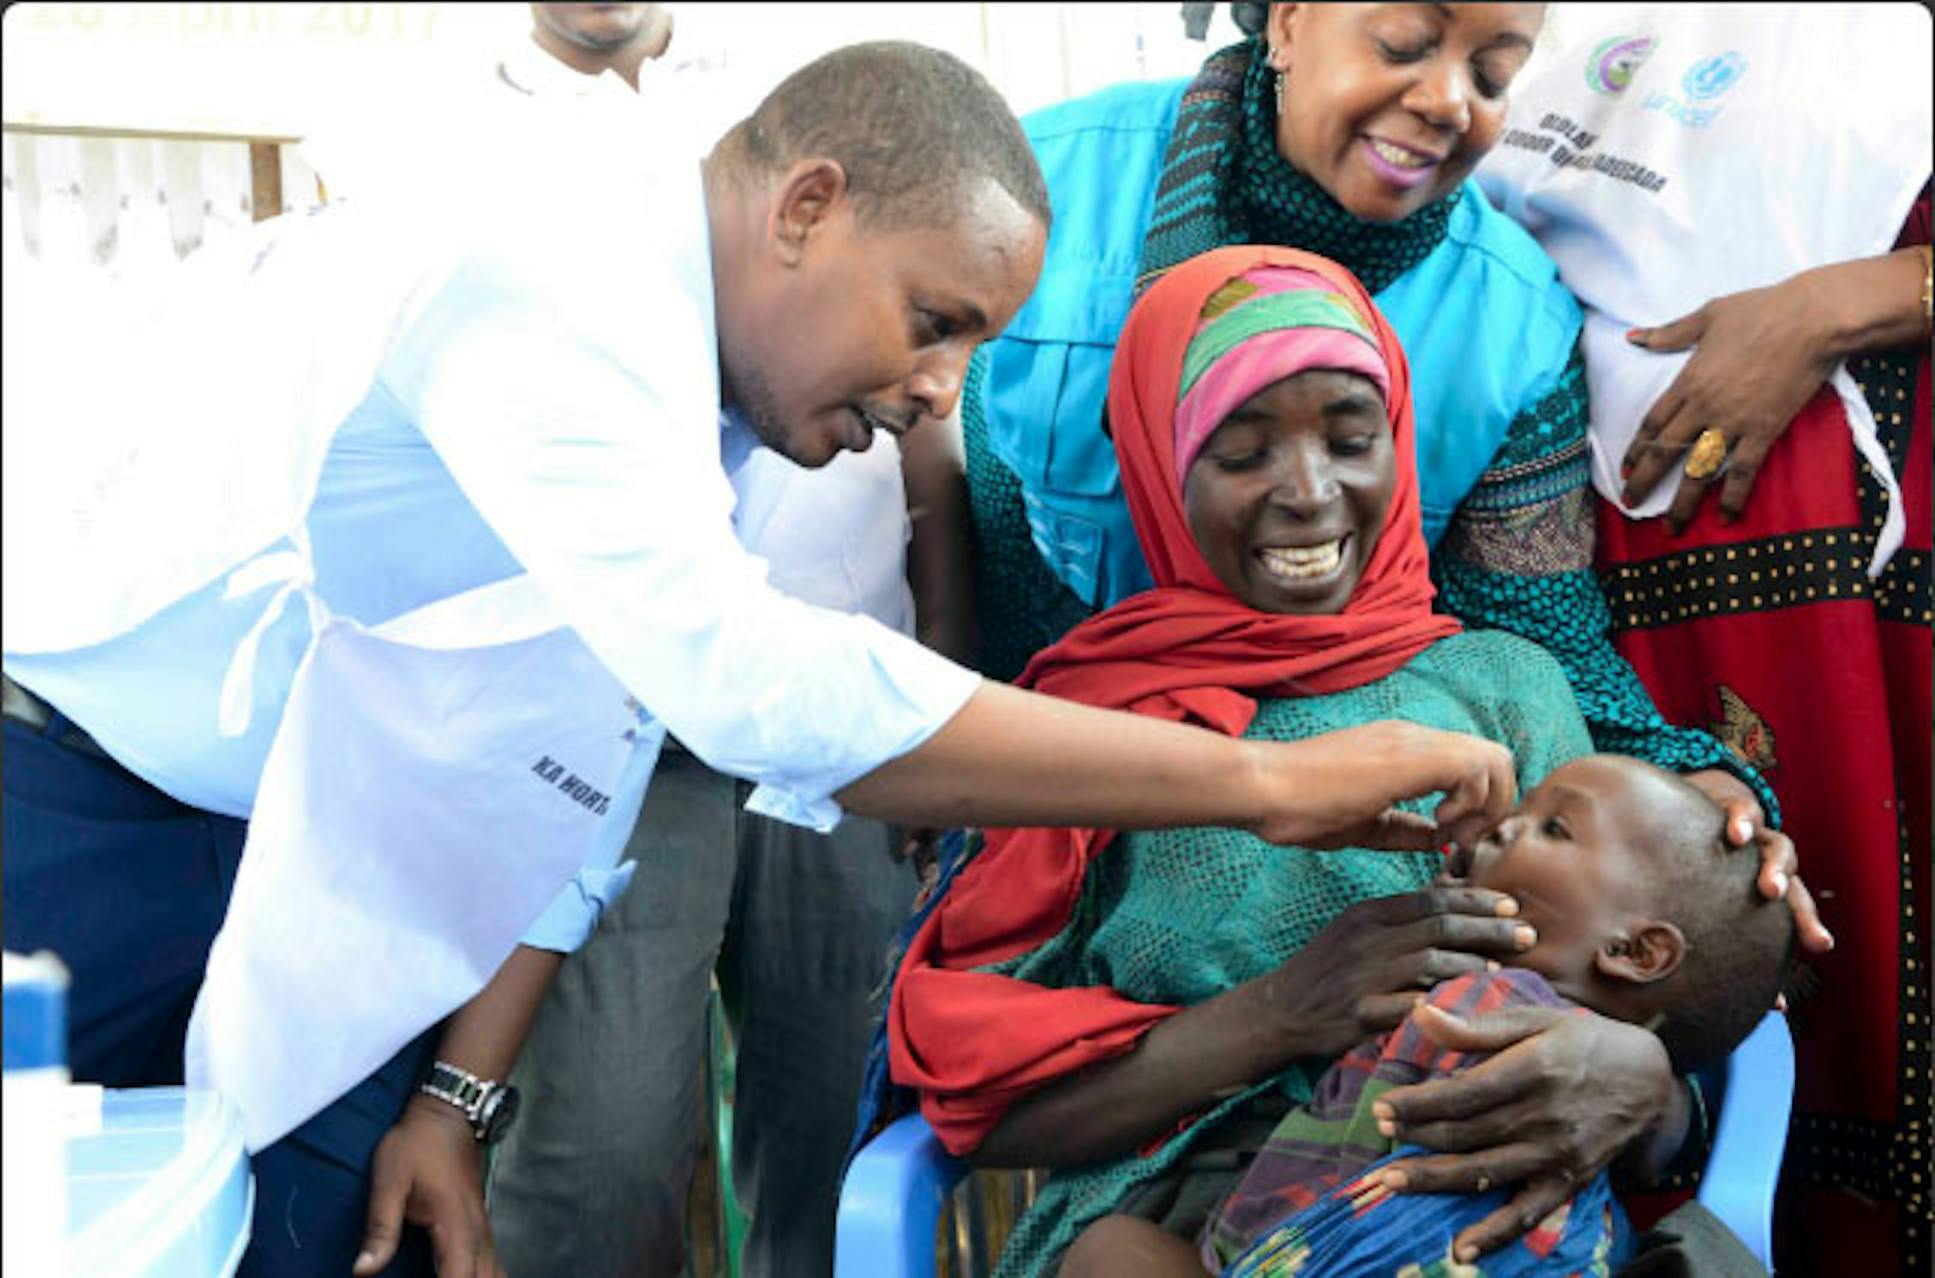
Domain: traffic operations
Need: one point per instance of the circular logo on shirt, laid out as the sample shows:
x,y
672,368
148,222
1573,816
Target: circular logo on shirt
x,y
1612,65
1711,77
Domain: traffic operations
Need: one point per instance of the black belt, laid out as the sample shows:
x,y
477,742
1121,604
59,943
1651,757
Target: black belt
x,y
24,707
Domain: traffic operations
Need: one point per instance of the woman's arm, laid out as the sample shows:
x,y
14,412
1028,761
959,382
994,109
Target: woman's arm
x,y
940,556
1519,557
1356,978
1020,605
1186,1064
1646,1160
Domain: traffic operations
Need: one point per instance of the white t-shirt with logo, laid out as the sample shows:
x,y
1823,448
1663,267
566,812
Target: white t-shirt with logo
x,y
1668,154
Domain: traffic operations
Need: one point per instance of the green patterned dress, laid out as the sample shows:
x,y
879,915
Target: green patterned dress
x,y
1179,916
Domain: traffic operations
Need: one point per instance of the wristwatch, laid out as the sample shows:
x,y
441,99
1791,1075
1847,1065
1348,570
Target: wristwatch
x,y
488,1106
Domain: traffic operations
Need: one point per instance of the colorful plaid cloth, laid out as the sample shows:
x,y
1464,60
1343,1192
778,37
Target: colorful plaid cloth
x,y
1301,1208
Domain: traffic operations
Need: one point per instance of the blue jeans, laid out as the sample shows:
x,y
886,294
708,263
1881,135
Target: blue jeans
x,y
312,1186
129,887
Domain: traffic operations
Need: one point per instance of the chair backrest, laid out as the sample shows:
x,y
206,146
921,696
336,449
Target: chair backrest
x,y
1750,1136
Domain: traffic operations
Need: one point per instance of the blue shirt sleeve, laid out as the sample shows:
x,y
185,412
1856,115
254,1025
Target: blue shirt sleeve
x,y
568,921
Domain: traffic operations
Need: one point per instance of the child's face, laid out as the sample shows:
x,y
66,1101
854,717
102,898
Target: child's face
x,y
1574,857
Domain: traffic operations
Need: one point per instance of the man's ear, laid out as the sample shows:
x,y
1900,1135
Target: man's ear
x,y
1650,950
812,191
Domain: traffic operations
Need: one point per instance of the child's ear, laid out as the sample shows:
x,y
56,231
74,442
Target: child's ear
x,y
1649,951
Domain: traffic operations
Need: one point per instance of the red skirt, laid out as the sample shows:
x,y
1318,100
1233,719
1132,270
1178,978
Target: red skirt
x,y
1770,633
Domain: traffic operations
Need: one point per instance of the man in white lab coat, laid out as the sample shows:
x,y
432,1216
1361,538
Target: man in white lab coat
x,y
418,583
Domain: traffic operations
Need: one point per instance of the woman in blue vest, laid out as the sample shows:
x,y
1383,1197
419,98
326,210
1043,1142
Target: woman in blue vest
x,y
1350,131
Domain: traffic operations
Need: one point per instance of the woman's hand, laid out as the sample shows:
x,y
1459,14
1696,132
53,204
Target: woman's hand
x,y
1779,865
1565,1094
1758,357
429,1171
1362,973
1358,977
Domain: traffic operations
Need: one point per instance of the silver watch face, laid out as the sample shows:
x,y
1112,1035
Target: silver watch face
x,y
498,1113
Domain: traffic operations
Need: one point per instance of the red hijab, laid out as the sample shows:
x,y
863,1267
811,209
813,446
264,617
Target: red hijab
x,y
1188,650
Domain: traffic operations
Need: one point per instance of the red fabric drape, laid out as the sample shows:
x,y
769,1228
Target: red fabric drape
x,y
1768,631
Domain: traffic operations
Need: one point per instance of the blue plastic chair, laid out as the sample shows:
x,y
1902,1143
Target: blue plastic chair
x,y
891,1202
1750,1136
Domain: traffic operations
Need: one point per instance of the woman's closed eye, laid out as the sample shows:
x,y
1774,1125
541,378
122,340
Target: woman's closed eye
x,y
1403,52
1490,82
1353,445
1238,462
931,328
1492,72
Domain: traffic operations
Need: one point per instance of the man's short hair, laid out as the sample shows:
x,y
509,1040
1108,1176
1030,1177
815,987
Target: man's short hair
x,y
915,129
1740,945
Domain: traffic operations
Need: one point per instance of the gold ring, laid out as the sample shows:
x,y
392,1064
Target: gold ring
x,y
1709,450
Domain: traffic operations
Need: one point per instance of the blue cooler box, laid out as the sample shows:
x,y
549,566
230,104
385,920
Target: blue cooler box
x,y
159,1188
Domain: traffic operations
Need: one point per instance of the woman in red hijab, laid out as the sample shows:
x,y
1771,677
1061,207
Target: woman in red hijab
x,y
1134,1009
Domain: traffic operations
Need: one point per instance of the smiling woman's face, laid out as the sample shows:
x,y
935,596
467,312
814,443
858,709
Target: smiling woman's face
x,y
1389,107
1288,494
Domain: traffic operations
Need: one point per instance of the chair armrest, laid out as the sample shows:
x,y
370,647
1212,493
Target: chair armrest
x,y
891,1202
1750,1136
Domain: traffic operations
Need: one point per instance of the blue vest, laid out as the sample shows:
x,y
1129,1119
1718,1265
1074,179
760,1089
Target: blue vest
x,y
1484,320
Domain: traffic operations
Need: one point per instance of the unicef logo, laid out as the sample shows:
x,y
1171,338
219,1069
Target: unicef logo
x,y
1711,77
1614,63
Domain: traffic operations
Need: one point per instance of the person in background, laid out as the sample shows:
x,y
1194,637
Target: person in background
x,y
437,136
399,543
1350,130
1755,273
592,39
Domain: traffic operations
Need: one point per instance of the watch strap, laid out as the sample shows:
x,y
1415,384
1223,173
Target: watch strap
x,y
458,1087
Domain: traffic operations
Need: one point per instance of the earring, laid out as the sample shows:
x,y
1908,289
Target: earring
x,y
1280,93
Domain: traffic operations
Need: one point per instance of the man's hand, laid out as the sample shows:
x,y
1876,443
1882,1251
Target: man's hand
x,y
1344,786
429,1171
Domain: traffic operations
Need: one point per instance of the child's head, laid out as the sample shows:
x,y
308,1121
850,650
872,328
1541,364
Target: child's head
x,y
1644,911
